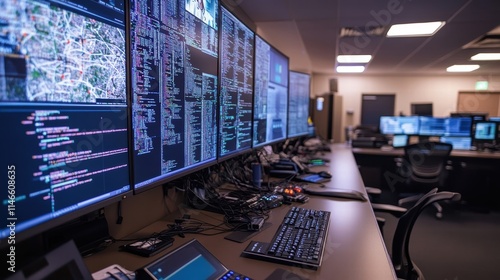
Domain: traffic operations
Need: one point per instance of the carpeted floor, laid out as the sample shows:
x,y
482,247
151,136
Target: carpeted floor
x,y
464,244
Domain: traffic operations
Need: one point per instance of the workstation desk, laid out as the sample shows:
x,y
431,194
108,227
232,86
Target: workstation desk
x,y
354,249
455,154
474,174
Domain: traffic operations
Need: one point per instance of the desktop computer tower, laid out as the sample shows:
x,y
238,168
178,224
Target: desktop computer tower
x,y
327,116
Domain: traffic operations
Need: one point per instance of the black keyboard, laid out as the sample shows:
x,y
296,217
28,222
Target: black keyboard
x,y
300,239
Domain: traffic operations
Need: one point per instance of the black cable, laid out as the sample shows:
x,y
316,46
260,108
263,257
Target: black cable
x,y
119,219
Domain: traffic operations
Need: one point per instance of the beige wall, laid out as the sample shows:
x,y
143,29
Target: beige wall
x,y
442,91
141,210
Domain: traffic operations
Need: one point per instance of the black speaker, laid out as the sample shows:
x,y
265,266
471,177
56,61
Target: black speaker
x,y
256,174
333,85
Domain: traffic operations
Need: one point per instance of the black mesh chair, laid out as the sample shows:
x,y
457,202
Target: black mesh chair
x,y
423,167
404,267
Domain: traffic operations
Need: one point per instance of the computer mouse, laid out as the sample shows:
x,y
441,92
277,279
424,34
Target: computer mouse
x,y
325,174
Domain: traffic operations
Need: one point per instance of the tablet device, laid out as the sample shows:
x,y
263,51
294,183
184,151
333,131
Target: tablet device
x,y
190,261
399,141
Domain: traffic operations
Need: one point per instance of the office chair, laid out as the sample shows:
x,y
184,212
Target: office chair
x,y
423,167
365,131
375,192
404,267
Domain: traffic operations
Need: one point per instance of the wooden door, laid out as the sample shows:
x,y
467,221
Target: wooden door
x,y
479,102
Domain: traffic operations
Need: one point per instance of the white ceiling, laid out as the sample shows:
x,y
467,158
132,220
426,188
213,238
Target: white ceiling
x,y
308,32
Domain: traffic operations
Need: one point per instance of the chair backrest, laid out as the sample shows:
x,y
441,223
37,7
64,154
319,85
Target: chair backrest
x,y
425,162
401,260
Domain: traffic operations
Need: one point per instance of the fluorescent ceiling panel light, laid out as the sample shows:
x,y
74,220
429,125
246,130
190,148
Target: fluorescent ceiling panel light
x,y
350,69
486,56
354,58
415,29
462,68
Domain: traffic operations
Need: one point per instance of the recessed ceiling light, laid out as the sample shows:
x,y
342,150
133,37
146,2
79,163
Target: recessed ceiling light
x,y
415,29
486,56
462,68
350,69
354,58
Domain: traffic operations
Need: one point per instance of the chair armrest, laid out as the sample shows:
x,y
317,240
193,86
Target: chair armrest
x,y
398,161
371,190
388,208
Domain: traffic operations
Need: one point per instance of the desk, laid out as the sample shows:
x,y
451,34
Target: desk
x,y
474,174
355,248
400,152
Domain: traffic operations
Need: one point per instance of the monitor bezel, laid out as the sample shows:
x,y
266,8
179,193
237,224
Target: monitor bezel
x,y
169,177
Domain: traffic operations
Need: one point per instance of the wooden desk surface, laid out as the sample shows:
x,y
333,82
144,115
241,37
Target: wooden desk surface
x,y
354,250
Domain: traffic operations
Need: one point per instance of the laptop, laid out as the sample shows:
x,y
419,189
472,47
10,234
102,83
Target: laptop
x,y
63,262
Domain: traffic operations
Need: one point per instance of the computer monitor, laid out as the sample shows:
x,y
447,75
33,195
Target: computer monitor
x,y
494,119
399,125
270,94
430,126
400,140
458,126
454,126
298,104
237,46
174,88
63,105
486,131
458,143
475,116
421,109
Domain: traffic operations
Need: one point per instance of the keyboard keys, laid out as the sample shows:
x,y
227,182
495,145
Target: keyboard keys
x,y
299,240
232,275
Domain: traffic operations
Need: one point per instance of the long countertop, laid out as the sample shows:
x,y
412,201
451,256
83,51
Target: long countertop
x,y
400,152
354,250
